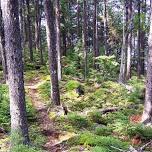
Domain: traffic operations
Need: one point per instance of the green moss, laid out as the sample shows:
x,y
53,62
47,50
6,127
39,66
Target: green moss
x,y
45,90
71,85
95,140
100,149
141,130
103,131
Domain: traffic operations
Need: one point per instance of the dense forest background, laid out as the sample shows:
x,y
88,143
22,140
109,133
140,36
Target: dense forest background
x,y
75,75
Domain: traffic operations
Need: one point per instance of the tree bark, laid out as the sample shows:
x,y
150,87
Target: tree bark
x,y
122,74
37,25
30,43
147,114
143,38
139,39
2,47
95,34
58,39
52,52
129,46
78,19
105,28
13,48
84,39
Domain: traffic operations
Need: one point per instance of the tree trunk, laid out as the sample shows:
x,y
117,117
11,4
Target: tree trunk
x,y
147,114
37,25
52,52
129,47
78,20
21,21
95,34
105,28
122,74
85,51
2,48
64,38
58,39
30,43
15,71
143,38
139,38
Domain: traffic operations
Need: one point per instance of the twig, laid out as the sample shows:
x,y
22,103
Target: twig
x,y
144,146
117,148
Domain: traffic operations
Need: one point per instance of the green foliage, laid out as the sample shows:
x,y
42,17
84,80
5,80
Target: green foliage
x,y
4,107
78,121
71,64
71,85
141,130
45,90
100,149
103,131
138,89
96,117
95,140
23,148
37,138
108,67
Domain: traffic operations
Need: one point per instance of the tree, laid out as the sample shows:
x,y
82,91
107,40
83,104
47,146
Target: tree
x,y
15,70
147,114
37,25
122,74
58,39
30,43
95,33
129,46
105,28
85,51
139,39
52,52
2,47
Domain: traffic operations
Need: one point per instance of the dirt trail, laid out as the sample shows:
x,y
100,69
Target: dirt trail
x,y
47,126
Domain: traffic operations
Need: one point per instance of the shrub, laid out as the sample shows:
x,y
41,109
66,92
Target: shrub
x,y
71,85
78,121
95,140
103,131
108,67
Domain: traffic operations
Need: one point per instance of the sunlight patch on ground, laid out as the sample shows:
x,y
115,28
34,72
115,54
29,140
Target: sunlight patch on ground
x,y
4,144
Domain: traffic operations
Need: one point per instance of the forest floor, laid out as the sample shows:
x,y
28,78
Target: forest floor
x,y
55,137
87,127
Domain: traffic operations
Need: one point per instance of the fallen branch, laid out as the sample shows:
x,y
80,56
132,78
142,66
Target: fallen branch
x,y
132,149
144,146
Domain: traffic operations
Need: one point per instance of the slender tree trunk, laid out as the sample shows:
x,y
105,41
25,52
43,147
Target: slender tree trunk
x,y
52,52
40,39
64,38
15,71
122,74
78,19
105,29
147,114
139,38
95,34
129,47
2,47
37,25
143,39
30,43
21,20
85,51
58,39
